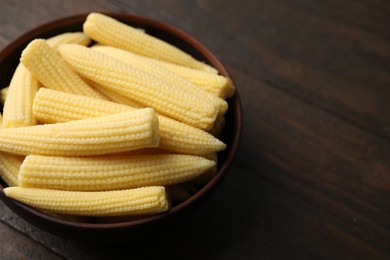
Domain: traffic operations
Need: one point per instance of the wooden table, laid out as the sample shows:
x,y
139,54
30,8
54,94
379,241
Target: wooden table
x,y
312,177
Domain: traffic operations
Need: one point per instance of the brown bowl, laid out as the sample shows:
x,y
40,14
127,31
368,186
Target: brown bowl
x,y
124,229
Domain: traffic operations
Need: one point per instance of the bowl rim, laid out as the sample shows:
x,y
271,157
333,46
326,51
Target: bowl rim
x,y
176,32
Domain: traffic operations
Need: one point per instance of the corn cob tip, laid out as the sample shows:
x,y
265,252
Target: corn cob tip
x,y
33,45
68,37
89,23
46,64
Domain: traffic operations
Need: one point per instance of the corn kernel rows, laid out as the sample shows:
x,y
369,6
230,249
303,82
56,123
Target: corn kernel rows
x,y
108,182
110,172
109,31
51,106
140,201
18,109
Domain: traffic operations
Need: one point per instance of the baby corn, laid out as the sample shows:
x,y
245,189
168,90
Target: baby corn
x,y
51,106
213,83
109,31
73,153
110,172
121,132
144,88
9,168
154,69
52,71
114,96
70,37
18,110
140,201
18,104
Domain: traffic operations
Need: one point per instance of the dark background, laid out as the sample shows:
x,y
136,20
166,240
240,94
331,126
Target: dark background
x,y
312,177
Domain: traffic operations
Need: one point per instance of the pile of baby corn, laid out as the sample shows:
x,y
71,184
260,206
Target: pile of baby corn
x,y
110,121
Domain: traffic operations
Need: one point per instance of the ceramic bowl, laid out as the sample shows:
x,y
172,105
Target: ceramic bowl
x,y
125,228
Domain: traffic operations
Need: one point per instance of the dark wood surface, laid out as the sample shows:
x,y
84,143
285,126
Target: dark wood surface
x,y
312,177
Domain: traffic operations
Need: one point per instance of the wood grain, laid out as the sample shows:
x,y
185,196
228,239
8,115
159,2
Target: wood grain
x,y
312,176
15,245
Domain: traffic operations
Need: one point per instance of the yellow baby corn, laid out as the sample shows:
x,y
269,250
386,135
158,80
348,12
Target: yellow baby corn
x,y
17,111
52,71
114,96
69,37
154,69
109,31
3,94
182,138
18,105
142,87
206,176
9,168
140,201
51,106
110,172
120,132
213,83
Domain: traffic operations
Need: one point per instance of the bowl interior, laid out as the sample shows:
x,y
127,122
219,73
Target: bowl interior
x,y
9,59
